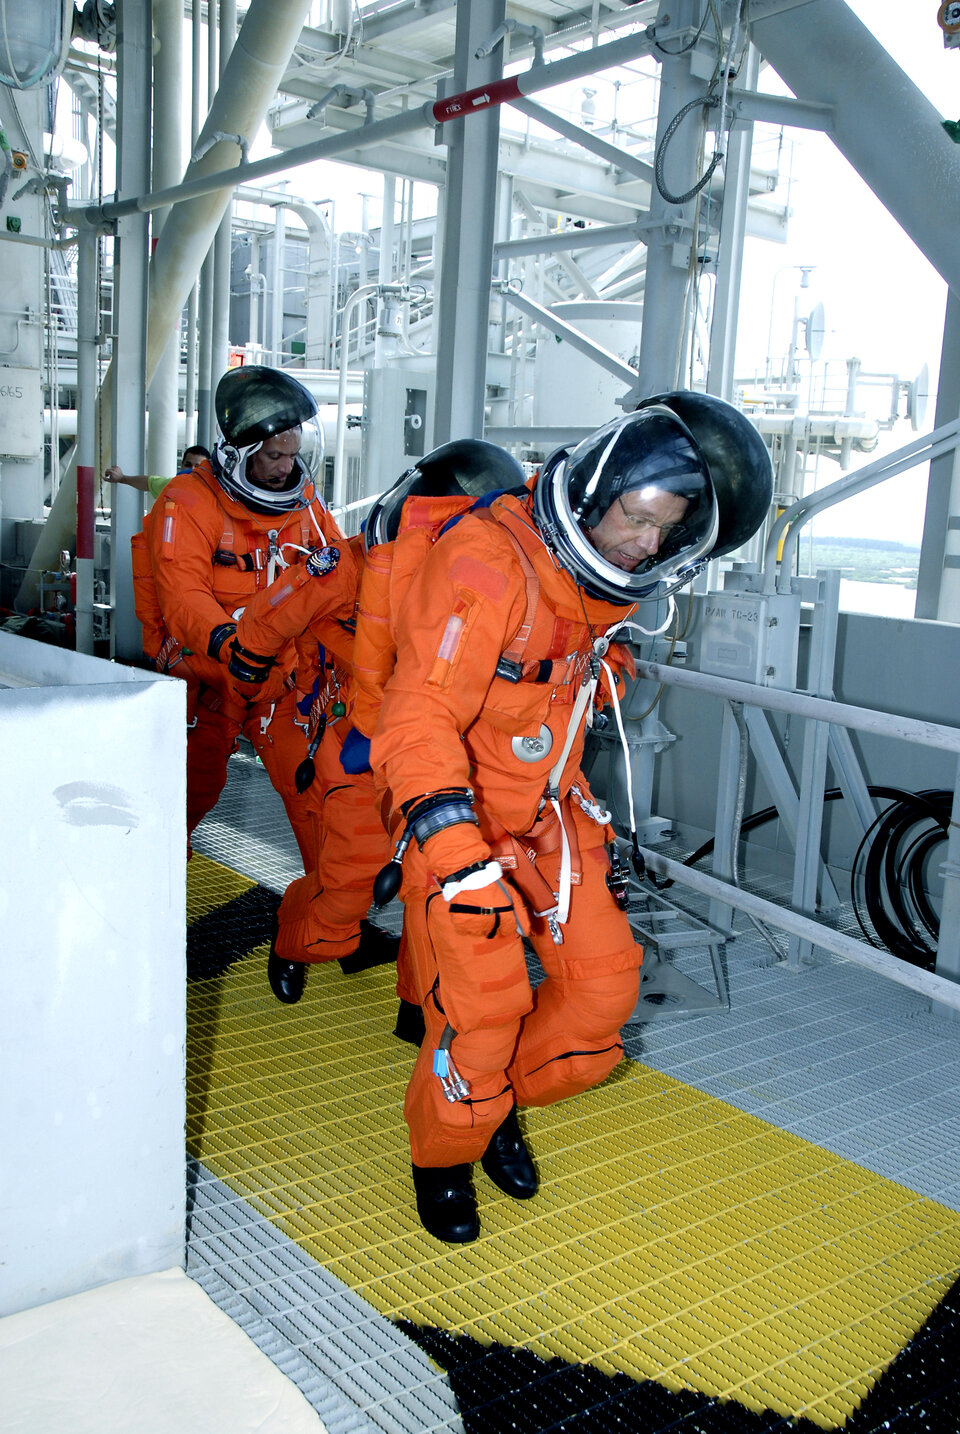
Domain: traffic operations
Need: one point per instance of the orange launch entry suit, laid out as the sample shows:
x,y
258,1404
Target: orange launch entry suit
x,y
210,558
449,720
319,917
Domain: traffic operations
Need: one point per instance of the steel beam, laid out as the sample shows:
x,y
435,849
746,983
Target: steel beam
x,y
883,124
463,319
125,431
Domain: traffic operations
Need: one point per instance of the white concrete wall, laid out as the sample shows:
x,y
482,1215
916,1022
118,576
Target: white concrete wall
x,y
92,972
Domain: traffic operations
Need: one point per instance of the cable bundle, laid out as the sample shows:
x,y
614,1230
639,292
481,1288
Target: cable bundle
x,y
890,899
887,888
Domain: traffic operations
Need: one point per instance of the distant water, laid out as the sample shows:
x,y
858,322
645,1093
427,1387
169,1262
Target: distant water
x,y
880,599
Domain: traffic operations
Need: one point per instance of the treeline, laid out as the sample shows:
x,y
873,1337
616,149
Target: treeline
x,y
876,544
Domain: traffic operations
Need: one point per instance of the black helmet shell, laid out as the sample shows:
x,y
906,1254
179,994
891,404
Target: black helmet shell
x,y
737,458
253,401
468,466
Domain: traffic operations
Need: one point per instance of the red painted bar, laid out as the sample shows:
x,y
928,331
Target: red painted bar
x,y
484,97
85,489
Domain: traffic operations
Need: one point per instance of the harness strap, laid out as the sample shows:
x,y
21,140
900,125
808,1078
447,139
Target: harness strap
x,y
169,655
513,665
514,653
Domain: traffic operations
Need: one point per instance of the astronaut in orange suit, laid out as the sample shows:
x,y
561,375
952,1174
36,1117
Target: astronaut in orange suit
x,y
248,527
323,913
503,652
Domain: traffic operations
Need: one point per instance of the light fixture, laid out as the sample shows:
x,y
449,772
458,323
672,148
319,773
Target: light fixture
x,y
34,40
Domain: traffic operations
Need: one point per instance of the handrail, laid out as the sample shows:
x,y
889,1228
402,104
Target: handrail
x,y
787,526
862,719
821,709
927,983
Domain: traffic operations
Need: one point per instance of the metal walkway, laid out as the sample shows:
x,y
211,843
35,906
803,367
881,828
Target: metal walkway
x,y
753,1225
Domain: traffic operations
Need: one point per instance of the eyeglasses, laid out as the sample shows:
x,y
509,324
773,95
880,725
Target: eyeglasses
x,y
638,524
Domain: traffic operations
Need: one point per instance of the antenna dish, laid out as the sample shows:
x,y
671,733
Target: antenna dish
x,y
918,397
815,330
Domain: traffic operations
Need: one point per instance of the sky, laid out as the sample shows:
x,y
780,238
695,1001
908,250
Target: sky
x,y
883,302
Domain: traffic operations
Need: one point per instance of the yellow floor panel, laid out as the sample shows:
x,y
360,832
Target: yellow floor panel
x,y
210,885
674,1237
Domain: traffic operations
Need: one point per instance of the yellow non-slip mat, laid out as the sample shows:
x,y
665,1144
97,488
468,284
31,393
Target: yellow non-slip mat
x,y
674,1240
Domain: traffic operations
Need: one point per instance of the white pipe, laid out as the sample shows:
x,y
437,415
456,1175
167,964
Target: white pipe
x,y
339,477
67,420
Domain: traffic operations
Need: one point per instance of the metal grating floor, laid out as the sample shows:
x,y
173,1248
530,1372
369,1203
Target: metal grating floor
x,y
756,1219
357,1369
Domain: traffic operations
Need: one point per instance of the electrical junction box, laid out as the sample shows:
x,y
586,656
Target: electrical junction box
x,y
751,637
398,423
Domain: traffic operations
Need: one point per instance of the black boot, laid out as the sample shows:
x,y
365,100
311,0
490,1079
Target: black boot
x,y
410,1024
446,1203
287,978
507,1160
376,948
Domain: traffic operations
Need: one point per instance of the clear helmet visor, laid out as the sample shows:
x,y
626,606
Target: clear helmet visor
x,y
275,474
630,512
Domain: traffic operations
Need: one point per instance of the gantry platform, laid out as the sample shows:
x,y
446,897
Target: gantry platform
x,y
752,1225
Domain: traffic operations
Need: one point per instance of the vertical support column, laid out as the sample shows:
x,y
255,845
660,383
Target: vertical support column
x,y
724,857
938,579
205,353
388,226
223,243
191,434
129,369
253,315
163,396
806,864
669,246
276,268
205,362
470,196
733,225
88,324
816,746
384,272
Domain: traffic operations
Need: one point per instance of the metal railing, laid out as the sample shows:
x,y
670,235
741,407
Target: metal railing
x,y
943,985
